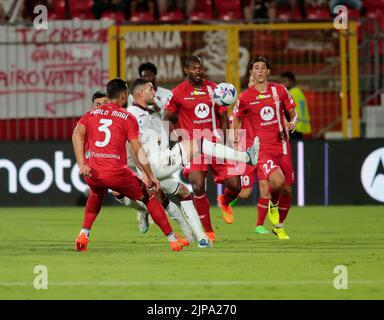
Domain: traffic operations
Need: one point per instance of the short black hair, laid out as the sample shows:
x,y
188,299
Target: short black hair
x,y
115,87
258,59
147,66
138,82
289,75
98,94
192,59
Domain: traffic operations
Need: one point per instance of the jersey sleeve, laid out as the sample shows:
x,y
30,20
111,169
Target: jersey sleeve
x,y
287,99
173,102
132,128
84,119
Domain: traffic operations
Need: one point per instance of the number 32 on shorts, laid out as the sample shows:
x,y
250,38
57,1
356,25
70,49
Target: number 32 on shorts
x,y
268,166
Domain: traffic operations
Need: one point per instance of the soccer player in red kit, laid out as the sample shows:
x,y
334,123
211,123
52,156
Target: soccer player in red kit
x,y
263,104
191,107
104,131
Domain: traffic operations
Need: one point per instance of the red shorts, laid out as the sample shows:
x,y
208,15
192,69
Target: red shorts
x,y
221,170
126,183
248,177
268,163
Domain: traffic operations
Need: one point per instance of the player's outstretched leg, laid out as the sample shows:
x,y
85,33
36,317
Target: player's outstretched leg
x,y
92,209
250,156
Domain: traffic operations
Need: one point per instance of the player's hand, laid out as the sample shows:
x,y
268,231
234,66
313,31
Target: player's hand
x,y
291,126
85,171
153,184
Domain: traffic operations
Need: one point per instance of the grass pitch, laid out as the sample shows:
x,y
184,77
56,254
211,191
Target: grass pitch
x,y
123,264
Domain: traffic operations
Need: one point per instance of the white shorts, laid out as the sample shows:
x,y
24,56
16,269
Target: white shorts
x,y
168,161
170,185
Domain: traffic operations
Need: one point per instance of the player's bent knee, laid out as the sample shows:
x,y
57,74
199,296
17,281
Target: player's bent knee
x,y
198,189
287,190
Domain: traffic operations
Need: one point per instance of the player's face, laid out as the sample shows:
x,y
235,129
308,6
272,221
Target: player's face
x,y
149,75
260,72
149,93
99,102
195,72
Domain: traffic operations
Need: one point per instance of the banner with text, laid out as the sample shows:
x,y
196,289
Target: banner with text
x,y
54,72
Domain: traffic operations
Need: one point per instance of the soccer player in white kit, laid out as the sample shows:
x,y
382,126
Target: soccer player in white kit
x,y
164,161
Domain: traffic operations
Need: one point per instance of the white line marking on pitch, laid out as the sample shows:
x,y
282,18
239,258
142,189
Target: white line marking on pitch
x,y
185,283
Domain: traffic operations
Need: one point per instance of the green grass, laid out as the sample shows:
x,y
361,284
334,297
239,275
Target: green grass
x,y
123,264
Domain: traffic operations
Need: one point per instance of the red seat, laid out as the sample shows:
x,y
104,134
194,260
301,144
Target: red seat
x,y
373,5
83,15
202,11
116,16
76,7
230,15
229,9
320,13
201,16
283,14
58,12
172,16
144,17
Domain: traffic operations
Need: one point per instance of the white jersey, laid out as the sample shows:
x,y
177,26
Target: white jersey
x,y
150,133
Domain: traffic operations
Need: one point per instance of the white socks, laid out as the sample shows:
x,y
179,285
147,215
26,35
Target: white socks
x,y
174,212
192,217
171,237
86,231
223,152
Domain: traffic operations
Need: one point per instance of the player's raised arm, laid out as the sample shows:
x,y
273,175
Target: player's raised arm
x,y
78,137
291,125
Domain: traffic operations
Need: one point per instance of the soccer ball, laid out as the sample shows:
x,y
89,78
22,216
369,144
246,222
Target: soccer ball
x,y
224,94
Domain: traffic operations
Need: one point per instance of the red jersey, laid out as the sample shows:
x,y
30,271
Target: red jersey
x,y
195,108
109,127
265,115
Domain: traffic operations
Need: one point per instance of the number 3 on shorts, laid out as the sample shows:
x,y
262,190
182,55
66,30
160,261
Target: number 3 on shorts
x,y
104,128
268,166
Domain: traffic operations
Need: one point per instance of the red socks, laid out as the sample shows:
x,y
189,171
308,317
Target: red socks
x,y
158,215
285,203
92,209
262,210
228,196
274,195
202,207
